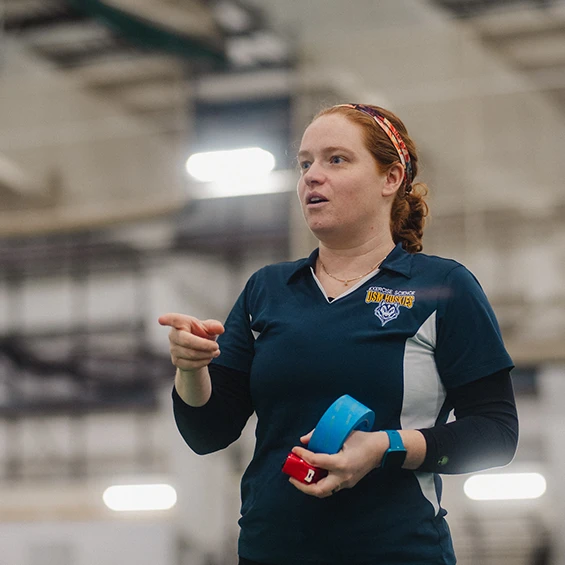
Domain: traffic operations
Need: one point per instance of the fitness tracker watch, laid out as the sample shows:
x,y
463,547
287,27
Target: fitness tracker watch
x,y
395,455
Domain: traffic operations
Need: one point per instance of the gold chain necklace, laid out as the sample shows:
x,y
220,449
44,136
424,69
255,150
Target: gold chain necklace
x,y
347,281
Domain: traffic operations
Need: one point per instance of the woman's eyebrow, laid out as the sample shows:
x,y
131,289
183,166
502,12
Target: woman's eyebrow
x,y
336,148
330,149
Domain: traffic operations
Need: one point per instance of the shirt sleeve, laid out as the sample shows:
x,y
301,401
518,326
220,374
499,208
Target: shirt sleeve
x,y
237,343
221,420
469,343
485,432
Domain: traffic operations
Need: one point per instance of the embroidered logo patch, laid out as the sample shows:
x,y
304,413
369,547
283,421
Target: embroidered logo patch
x,y
387,312
389,302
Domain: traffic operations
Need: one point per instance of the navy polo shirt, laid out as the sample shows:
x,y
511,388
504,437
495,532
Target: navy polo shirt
x,y
395,341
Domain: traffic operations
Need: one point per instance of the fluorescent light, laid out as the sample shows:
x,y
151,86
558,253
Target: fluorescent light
x,y
236,164
122,498
505,486
276,181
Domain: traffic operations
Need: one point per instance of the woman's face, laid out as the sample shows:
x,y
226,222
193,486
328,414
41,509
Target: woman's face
x,y
341,190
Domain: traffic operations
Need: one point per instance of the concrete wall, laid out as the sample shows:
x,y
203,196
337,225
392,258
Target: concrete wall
x,y
81,151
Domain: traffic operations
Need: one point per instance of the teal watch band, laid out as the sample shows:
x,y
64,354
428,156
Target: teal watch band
x,y
395,455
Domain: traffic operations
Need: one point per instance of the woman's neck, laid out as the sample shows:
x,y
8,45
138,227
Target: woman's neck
x,y
338,270
360,257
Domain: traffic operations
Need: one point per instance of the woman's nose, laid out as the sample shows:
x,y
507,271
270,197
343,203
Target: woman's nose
x,y
314,175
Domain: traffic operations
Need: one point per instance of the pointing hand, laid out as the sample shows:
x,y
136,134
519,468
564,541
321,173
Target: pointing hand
x,y
192,341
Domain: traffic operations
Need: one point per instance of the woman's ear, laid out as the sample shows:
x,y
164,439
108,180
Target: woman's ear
x,y
393,179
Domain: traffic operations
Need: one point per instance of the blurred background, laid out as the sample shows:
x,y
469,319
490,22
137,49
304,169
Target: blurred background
x,y
104,226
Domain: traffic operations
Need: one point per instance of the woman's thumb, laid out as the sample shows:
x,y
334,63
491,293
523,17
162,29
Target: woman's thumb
x,y
213,327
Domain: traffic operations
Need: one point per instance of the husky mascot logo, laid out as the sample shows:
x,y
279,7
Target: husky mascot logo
x,y
389,302
387,312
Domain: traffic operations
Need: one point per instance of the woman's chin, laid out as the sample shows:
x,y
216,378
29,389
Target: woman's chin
x,y
320,229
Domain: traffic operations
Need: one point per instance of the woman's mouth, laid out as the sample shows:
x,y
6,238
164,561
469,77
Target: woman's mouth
x,y
315,200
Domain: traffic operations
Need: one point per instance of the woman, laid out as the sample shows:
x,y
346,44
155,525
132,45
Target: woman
x,y
408,335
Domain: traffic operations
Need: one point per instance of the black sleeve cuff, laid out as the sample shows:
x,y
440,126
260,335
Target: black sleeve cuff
x,y
484,434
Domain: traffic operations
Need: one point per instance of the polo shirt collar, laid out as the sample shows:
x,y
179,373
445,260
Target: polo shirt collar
x,y
398,261
304,264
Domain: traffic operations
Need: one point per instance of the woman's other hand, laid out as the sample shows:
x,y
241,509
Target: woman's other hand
x,y
361,452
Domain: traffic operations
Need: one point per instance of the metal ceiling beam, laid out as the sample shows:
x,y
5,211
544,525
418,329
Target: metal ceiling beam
x,y
152,34
24,17
467,8
31,22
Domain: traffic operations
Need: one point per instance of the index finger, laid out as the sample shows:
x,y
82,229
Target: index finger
x,y
323,460
185,323
178,321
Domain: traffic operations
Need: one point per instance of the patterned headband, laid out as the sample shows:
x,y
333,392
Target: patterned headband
x,y
394,136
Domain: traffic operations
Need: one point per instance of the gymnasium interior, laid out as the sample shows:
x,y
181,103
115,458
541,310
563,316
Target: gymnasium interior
x,y
103,228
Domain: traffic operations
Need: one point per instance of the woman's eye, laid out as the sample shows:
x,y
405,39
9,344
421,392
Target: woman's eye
x,y
304,165
336,159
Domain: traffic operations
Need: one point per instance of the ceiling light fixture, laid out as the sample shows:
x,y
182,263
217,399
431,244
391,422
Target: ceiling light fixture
x,y
214,166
